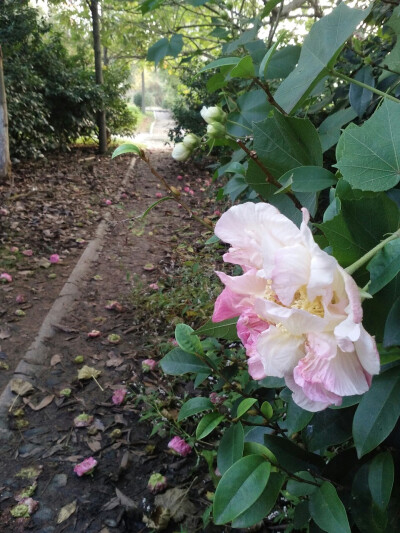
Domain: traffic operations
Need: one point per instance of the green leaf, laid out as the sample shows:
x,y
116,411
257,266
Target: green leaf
x,y
283,62
244,406
207,424
308,179
235,187
377,412
267,410
328,511
381,479
267,59
127,149
297,488
384,266
359,97
368,516
255,448
244,69
329,427
296,418
263,505
391,336
268,7
165,47
194,406
246,37
235,167
329,130
220,330
369,155
252,107
230,448
222,62
283,143
178,362
291,456
240,487
187,341
215,83
320,49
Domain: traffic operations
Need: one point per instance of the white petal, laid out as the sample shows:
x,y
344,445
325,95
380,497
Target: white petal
x,y
296,321
279,351
291,271
302,400
249,284
367,352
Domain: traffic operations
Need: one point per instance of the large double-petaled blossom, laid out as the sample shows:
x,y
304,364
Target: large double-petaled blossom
x,y
299,311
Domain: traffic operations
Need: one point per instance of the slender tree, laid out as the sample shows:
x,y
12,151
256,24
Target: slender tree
x,y
5,163
98,66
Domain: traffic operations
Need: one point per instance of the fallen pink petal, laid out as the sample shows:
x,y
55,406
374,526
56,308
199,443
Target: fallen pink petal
x,y
20,299
113,305
180,446
154,286
159,195
148,364
27,253
186,189
215,398
7,277
14,249
180,178
85,467
94,333
54,258
119,396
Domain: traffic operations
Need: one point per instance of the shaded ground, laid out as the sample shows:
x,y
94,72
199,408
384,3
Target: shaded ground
x,y
66,207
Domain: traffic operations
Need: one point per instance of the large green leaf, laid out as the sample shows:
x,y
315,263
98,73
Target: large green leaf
x,y
307,179
207,424
252,107
328,511
283,143
221,330
283,62
329,427
391,336
187,341
230,448
329,130
320,50
222,62
292,457
263,505
245,405
194,406
381,478
384,266
165,47
240,487
244,69
369,155
178,362
299,488
368,516
377,412
127,149
296,418
359,97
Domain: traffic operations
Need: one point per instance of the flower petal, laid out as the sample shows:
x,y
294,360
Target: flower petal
x,y
367,352
291,271
279,351
296,321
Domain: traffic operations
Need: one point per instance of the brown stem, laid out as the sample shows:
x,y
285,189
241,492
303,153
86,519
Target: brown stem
x,y
207,224
271,99
270,178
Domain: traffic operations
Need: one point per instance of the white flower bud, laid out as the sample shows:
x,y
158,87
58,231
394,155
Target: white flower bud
x,y
180,152
213,114
191,141
216,130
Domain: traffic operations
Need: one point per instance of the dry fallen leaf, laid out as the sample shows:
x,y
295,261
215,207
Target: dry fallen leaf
x,y
177,502
66,512
21,387
41,405
55,360
88,372
125,501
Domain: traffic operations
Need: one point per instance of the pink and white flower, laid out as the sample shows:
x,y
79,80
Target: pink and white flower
x,y
299,312
119,396
6,277
180,446
148,364
54,258
85,467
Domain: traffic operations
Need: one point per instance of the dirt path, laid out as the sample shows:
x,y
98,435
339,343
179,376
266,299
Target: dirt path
x,y
115,497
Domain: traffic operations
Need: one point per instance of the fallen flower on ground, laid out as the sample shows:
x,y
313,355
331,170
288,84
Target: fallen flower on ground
x,y
85,467
157,483
27,253
20,299
6,277
83,420
148,364
119,396
154,286
180,446
299,311
54,258
94,333
159,195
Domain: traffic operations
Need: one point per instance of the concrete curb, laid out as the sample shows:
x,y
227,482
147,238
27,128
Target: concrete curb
x,y
37,355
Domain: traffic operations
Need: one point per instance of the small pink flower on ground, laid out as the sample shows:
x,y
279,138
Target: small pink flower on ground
x,y
198,180
154,286
207,183
4,212
179,446
191,192
186,189
107,202
113,305
27,253
20,299
124,195
159,195
85,467
157,483
94,333
83,420
148,364
14,249
54,258
217,213
215,398
119,396
180,178
7,277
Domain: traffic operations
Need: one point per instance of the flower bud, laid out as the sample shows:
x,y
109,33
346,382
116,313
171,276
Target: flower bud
x,y
179,446
157,483
216,130
191,141
213,114
180,152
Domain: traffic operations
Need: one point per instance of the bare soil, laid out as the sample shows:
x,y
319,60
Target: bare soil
x,y
54,208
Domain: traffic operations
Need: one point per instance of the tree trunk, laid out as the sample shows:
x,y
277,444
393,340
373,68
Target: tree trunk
x,y
143,94
5,163
101,115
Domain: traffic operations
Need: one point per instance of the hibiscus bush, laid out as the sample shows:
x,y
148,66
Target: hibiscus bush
x,y
297,374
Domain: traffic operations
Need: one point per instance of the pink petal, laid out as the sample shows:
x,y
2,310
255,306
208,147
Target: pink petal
x,y
119,396
6,277
178,445
279,351
55,258
85,467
